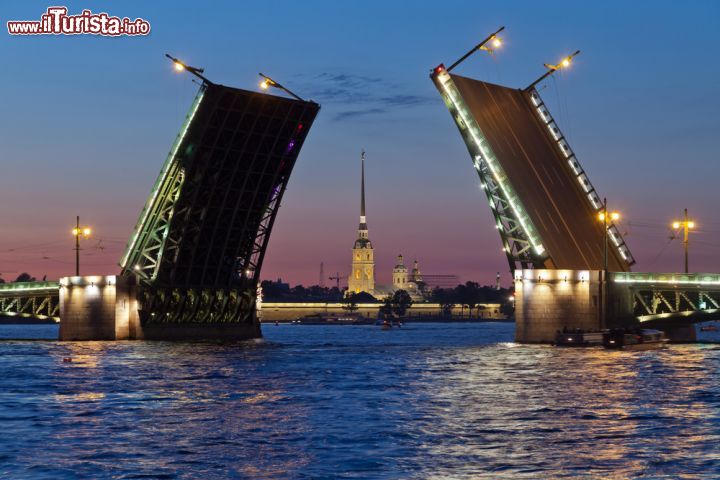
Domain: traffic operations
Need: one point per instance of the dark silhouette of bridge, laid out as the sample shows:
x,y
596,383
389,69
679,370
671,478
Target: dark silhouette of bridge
x,y
194,258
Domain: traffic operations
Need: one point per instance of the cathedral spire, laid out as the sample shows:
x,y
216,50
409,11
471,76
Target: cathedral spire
x,y
362,187
362,278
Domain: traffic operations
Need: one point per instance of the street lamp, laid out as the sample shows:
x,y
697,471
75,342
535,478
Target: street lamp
x,y
564,63
268,82
686,225
182,66
78,232
493,39
604,216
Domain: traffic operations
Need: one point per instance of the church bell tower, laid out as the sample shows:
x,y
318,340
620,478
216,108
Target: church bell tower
x,y
362,275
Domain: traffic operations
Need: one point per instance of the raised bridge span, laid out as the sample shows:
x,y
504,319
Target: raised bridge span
x,y
192,264
571,270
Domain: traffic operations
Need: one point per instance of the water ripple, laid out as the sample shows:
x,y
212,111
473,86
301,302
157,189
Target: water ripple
x,y
427,401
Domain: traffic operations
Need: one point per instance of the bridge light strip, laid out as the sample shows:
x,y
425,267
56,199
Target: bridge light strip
x,y
685,279
32,287
668,282
488,158
582,178
162,177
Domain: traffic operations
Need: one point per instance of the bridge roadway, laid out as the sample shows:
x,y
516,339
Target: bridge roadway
x,y
554,198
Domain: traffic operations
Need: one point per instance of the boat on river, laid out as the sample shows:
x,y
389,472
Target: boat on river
x,y
334,319
578,338
622,339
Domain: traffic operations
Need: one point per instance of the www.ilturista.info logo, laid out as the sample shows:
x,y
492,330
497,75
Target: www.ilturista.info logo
x,y
57,22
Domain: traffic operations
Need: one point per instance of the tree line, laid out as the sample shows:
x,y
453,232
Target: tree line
x,y
23,277
468,297
471,296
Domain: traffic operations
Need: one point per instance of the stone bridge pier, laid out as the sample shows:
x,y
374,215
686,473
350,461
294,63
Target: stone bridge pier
x,y
549,300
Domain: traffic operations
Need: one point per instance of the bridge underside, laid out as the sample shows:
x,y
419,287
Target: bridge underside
x,y
199,243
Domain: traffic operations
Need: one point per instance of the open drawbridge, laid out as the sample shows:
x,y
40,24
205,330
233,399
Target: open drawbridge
x,y
544,205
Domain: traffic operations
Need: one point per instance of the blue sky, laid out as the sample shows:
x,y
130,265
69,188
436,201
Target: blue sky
x,y
87,121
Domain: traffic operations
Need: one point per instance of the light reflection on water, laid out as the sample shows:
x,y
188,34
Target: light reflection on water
x,y
427,401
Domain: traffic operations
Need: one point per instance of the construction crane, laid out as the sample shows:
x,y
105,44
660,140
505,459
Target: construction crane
x,y
337,279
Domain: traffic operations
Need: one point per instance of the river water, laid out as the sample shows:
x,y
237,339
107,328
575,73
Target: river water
x,y
424,401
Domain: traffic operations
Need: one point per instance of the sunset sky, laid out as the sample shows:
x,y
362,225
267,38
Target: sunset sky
x,y
86,123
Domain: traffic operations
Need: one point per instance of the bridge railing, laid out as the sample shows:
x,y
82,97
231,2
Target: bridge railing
x,y
668,279
24,287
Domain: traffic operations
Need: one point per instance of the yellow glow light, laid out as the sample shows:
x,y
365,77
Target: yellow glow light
x,y
75,231
179,66
86,231
264,84
676,225
497,42
611,216
691,224
565,63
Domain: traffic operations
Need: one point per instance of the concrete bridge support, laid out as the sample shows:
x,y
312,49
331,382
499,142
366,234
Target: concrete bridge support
x,y
549,300
106,308
98,308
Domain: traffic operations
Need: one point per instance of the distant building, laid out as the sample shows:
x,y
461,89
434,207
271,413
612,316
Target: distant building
x,y
362,274
402,281
399,275
416,275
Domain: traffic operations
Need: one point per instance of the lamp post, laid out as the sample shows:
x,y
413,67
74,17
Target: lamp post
x,y
269,82
603,217
686,225
493,38
564,63
182,66
79,231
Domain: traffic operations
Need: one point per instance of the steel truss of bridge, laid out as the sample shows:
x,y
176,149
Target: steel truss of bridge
x,y
30,300
659,297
